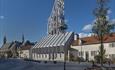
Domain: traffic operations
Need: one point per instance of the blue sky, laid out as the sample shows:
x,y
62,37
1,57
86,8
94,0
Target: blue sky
x,y
30,17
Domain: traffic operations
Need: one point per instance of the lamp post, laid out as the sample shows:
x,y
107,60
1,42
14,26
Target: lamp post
x,y
81,49
64,59
64,53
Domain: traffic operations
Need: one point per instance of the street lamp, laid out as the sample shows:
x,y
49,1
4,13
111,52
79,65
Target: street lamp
x,y
64,59
81,49
64,52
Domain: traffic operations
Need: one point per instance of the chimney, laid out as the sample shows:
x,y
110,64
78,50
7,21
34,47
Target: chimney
x,y
77,39
76,36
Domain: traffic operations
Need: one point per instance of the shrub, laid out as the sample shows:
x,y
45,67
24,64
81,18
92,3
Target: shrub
x,y
80,59
45,62
97,59
55,62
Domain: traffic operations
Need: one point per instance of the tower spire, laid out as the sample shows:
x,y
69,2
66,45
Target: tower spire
x,y
4,40
56,19
23,38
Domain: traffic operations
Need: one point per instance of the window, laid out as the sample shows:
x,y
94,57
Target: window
x,y
42,55
81,53
39,55
45,55
93,53
54,18
55,55
112,44
55,31
58,49
34,55
111,56
60,55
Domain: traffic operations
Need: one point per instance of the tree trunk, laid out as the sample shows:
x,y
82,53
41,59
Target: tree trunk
x,y
101,50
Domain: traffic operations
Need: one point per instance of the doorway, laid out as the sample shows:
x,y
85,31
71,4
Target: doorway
x,y
87,56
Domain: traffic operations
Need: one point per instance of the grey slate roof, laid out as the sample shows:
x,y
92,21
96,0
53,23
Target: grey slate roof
x,y
10,46
6,46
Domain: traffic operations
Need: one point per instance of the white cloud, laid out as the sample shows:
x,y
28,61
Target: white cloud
x,y
109,11
90,34
81,35
1,17
87,27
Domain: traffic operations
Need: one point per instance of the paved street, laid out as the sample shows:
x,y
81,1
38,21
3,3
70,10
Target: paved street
x,y
26,65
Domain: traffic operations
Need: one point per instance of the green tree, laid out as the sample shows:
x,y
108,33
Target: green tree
x,y
102,26
97,57
63,27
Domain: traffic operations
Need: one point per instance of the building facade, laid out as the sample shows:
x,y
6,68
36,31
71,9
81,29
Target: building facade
x,y
24,50
53,47
88,47
9,49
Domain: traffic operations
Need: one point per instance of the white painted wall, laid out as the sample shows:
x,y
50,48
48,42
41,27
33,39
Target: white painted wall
x,y
94,47
25,54
43,57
